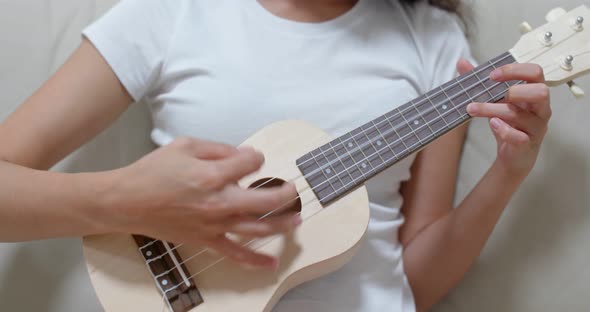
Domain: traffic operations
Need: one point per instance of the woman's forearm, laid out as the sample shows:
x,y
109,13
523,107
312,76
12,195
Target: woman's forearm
x,y
40,204
438,257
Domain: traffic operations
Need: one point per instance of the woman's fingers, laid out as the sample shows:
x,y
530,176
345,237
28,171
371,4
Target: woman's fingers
x,y
259,202
236,201
536,96
516,117
508,133
242,254
232,169
270,225
463,66
203,149
526,72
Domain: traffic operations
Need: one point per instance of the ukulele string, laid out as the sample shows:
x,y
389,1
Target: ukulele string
x,y
205,249
546,48
437,93
395,128
377,151
307,203
557,66
269,240
353,137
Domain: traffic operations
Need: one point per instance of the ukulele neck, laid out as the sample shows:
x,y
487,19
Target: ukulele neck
x,y
347,162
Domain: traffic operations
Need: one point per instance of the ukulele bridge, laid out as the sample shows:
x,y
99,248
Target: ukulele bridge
x,y
171,276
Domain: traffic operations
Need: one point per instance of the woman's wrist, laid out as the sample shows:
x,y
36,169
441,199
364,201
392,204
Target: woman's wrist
x,y
103,195
508,176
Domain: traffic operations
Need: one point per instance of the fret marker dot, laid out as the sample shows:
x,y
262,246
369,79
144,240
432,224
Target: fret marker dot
x,y
379,143
148,253
164,282
444,107
364,165
350,145
416,122
328,171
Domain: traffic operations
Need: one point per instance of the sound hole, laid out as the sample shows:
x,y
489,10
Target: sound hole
x,y
294,206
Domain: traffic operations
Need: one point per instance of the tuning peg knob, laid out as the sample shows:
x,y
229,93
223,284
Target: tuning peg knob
x,y
525,28
554,14
578,24
576,90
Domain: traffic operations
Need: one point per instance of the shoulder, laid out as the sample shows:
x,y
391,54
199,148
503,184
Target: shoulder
x,y
429,22
439,41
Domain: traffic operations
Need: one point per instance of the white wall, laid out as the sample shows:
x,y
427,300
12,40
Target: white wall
x,y
535,261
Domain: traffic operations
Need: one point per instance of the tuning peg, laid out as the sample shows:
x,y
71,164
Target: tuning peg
x,y
578,24
525,28
555,14
576,90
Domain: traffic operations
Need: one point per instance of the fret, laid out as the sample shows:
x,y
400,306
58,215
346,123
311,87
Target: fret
x,y
473,89
485,81
353,148
499,88
412,137
311,170
373,138
456,98
309,167
354,170
503,60
421,106
400,147
432,116
443,105
419,126
333,168
393,138
356,156
362,161
387,152
497,64
326,185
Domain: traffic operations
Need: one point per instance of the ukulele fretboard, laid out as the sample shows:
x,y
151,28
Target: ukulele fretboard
x,y
345,163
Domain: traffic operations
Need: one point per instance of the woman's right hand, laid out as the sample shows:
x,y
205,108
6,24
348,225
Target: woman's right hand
x,y
186,192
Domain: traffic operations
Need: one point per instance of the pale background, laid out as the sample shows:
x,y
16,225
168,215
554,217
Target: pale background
x,y
537,259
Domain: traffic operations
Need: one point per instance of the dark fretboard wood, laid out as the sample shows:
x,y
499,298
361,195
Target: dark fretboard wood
x,y
345,163
180,293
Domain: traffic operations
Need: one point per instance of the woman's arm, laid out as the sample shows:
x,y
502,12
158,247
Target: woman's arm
x,y
441,243
81,99
183,192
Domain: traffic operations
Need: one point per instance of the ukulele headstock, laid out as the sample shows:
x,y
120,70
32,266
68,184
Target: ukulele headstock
x,y
561,47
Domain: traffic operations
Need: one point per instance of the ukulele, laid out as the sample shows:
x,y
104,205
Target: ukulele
x,y
131,272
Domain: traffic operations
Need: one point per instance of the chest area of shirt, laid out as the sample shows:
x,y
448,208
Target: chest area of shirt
x,y
248,78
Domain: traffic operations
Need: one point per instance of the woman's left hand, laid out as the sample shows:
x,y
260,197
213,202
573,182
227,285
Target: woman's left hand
x,y
519,122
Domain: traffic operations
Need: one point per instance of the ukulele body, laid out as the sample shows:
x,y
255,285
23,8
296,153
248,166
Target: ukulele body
x,y
327,239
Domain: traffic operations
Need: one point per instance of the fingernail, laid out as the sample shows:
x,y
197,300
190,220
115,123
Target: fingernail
x,y
496,74
496,123
472,109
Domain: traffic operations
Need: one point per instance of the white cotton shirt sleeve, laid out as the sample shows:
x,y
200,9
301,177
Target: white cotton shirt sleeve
x,y
223,69
133,38
440,43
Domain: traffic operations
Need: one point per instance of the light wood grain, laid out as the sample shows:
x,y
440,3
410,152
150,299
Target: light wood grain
x,y
566,40
325,241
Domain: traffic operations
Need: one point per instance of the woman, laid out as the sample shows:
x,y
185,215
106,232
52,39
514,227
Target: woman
x,y
219,70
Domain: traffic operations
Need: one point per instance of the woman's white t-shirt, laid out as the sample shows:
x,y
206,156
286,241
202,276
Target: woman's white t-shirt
x,y
221,70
